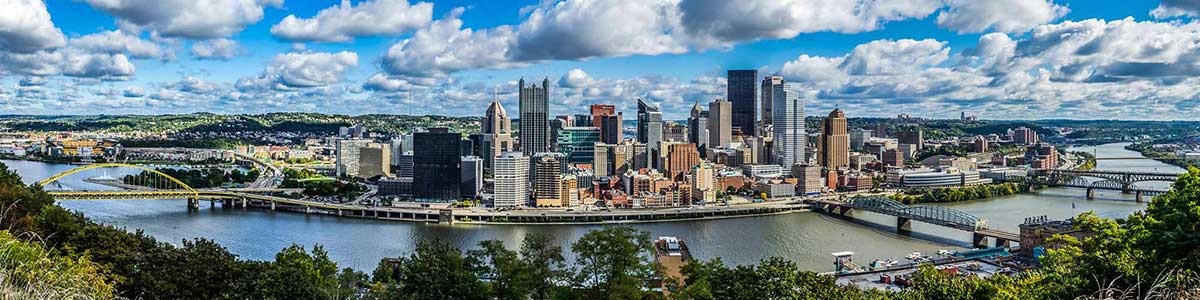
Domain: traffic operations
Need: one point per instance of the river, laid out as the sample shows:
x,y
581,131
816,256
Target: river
x,y
806,238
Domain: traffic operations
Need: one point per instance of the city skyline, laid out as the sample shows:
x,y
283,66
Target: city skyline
x,y
924,58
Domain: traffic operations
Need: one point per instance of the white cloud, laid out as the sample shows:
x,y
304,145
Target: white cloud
x,y
598,28
887,57
1176,8
445,47
134,92
576,78
186,18
215,49
1013,16
32,81
25,26
345,21
116,41
718,23
301,70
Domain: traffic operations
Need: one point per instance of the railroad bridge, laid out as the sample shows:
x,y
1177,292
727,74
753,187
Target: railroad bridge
x,y
906,214
1126,182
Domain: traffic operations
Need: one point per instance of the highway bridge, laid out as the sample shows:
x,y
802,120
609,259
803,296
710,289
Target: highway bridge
x,y
906,214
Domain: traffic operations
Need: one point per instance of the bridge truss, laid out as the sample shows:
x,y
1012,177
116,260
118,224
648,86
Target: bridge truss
x,y
148,184
938,215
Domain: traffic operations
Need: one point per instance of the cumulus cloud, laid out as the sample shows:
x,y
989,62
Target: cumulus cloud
x,y
134,92
117,41
345,21
1086,69
25,26
186,18
576,78
584,29
220,49
721,23
1013,16
301,70
32,81
1176,8
445,47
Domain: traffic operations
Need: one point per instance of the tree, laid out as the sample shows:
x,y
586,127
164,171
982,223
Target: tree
x,y
18,202
614,263
435,270
30,271
296,274
505,275
545,263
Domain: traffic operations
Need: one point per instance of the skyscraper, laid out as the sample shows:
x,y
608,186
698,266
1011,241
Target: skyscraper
x,y
834,146
535,111
765,100
790,138
912,136
347,156
496,131
650,130
720,120
437,165
608,119
578,143
511,176
698,128
740,91
680,160
548,169
859,138
472,176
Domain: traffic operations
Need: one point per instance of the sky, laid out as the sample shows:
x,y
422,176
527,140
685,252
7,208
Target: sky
x,y
997,59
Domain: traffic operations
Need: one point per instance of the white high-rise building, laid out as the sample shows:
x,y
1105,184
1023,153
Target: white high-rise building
x,y
788,125
511,177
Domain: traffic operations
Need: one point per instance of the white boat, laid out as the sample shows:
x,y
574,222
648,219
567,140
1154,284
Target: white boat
x,y
945,252
913,256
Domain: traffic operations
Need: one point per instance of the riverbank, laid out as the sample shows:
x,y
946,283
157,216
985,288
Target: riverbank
x,y
1163,157
959,194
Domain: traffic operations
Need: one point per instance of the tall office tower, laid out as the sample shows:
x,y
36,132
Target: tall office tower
x,y
496,128
739,89
789,137
680,160
834,146
347,156
548,169
578,143
808,178
698,128
397,145
621,155
650,130
608,119
374,160
437,165
675,132
472,176
581,120
535,113
511,176
881,130
720,122
859,138
601,163
766,104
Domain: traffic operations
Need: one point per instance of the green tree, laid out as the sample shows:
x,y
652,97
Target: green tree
x,y
545,263
614,263
504,274
435,270
296,274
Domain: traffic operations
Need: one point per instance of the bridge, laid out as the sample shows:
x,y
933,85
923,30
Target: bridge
x,y
154,184
906,214
1126,182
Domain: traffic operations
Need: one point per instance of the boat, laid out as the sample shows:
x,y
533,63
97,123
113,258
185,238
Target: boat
x,y
945,252
913,256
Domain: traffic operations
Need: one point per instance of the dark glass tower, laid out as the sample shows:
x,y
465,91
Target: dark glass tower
x,y
437,165
535,111
740,91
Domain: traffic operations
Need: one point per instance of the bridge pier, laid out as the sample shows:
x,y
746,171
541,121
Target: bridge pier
x,y
1091,193
272,205
193,203
903,224
1138,196
244,200
307,209
979,240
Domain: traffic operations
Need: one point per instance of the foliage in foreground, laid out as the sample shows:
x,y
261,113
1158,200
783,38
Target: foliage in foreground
x,y
1149,255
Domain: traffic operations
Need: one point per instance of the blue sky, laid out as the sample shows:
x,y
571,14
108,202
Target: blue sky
x,y
1002,59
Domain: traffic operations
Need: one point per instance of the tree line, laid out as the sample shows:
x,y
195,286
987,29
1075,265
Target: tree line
x,y
1153,254
967,193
